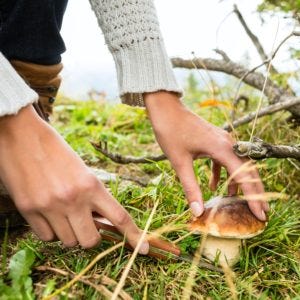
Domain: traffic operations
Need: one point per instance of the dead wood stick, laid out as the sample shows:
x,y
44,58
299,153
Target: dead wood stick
x,y
258,149
118,158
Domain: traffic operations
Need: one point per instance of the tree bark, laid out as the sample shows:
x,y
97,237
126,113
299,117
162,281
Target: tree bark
x,y
258,149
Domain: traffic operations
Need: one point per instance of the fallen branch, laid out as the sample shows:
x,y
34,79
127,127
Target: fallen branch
x,y
118,158
258,149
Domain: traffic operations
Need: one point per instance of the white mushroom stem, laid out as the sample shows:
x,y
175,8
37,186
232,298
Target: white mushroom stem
x,y
227,250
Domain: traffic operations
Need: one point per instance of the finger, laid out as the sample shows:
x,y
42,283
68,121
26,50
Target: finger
x,y
259,205
260,189
40,226
242,174
215,175
111,209
232,188
186,175
62,229
266,206
84,228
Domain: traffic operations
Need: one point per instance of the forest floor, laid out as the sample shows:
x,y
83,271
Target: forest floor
x,y
269,266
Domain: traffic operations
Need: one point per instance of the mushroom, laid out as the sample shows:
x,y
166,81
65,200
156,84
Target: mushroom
x,y
226,221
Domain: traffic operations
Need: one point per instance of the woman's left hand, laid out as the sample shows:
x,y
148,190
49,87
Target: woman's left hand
x,y
184,136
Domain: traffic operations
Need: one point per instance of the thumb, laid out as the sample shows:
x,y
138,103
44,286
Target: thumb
x,y
186,175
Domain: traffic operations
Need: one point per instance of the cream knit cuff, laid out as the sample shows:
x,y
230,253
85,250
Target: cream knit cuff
x,y
14,92
144,67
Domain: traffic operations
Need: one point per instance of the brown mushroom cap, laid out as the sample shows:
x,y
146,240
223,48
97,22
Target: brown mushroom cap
x,y
227,217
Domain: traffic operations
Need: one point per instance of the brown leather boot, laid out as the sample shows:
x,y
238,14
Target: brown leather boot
x,y
45,80
9,215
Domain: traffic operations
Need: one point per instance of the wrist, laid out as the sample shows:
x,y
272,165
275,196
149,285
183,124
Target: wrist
x,y
163,107
161,99
12,125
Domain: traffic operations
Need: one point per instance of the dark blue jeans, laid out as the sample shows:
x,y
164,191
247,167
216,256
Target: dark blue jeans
x,y
30,30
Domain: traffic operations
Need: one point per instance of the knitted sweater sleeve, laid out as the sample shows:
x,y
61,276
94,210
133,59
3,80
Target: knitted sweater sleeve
x,y
14,92
133,36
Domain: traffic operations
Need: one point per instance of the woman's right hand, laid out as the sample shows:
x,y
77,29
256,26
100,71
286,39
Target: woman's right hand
x,y
52,187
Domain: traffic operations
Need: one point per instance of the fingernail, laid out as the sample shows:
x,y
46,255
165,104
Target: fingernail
x,y
144,249
263,216
196,208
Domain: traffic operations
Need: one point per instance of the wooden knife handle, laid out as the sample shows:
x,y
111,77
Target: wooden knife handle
x,y
156,244
168,247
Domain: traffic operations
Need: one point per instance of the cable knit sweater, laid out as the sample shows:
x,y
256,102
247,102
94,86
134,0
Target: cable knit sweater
x,y
132,34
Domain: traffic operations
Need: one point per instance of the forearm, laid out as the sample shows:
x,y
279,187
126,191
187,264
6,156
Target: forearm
x,y
14,92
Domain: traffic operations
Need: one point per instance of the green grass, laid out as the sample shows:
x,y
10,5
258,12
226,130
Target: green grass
x,y
269,264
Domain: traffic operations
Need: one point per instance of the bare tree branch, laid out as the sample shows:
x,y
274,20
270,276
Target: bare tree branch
x,y
268,61
255,79
253,38
259,149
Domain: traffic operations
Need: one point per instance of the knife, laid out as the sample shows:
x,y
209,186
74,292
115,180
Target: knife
x,y
159,248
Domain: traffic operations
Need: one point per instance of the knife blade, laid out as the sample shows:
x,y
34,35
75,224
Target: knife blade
x,y
158,247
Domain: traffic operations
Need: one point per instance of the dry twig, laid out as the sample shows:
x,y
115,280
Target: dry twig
x,y
118,158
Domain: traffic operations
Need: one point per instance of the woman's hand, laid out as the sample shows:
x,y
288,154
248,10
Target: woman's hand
x,y
52,187
184,136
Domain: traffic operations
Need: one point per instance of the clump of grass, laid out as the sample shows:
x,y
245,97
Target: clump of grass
x,y
269,264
